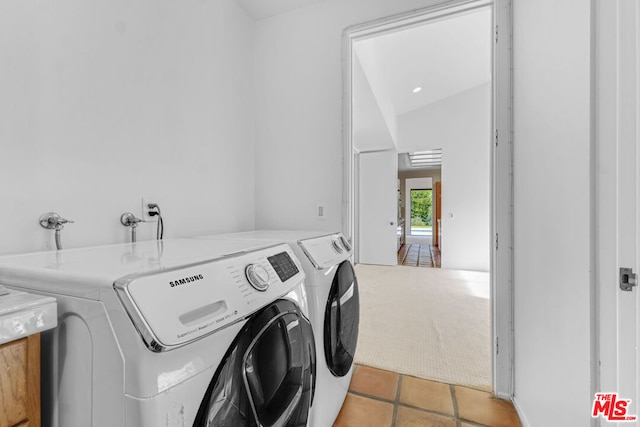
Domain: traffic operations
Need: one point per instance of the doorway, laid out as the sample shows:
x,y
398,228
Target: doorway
x,y
499,160
421,201
419,248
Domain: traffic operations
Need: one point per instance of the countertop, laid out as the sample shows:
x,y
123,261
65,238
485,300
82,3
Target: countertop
x,y
23,314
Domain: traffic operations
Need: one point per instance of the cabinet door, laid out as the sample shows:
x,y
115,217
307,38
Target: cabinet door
x,y
20,382
13,382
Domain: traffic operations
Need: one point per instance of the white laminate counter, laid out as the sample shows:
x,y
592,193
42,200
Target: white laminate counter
x,y
23,314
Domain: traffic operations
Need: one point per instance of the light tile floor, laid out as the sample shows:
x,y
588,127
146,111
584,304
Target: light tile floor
x,y
380,398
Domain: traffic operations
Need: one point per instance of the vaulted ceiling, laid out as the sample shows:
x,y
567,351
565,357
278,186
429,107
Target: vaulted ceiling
x,y
444,57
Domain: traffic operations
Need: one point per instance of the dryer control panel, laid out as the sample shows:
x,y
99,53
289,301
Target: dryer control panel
x,y
326,251
176,306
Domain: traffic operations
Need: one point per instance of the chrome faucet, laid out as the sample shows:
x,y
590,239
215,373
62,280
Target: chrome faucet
x,y
130,220
53,221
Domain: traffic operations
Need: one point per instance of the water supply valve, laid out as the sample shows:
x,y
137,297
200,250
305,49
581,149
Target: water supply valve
x,y
53,221
130,220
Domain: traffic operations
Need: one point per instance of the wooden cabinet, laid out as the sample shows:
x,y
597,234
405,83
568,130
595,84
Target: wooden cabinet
x,y
438,214
20,382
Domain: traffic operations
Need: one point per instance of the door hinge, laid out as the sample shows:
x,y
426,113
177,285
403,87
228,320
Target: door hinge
x,y
628,279
496,36
496,137
497,345
496,241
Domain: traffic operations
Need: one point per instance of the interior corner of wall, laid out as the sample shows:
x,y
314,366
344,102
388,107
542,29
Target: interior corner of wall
x,y
521,415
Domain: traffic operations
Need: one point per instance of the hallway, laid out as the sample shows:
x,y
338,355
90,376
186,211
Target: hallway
x,y
417,255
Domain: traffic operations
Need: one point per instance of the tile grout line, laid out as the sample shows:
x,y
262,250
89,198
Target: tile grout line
x,y
398,403
454,401
426,411
371,397
474,424
395,403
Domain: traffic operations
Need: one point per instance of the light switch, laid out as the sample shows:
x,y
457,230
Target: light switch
x,y
320,211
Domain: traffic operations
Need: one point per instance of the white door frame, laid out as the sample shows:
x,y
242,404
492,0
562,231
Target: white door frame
x,y
617,180
501,163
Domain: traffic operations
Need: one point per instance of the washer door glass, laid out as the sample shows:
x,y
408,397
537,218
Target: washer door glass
x,y
268,375
341,319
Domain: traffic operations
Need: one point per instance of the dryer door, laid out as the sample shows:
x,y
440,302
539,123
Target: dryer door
x,y
268,375
341,319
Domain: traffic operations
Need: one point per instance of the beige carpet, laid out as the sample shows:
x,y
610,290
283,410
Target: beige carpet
x,y
426,322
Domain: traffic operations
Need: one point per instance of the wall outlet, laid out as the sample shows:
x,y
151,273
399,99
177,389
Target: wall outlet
x,y
145,211
321,211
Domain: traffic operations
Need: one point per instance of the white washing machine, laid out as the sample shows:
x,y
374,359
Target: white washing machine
x,y
173,333
332,292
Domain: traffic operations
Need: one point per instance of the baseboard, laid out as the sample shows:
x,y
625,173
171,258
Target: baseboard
x,y
504,396
523,419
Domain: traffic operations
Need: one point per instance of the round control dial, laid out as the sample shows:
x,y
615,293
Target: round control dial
x,y
258,276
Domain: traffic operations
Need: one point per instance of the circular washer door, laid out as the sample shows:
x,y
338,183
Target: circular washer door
x,y
341,319
268,375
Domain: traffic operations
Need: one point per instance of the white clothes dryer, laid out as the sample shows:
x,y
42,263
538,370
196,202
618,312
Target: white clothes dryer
x,y
173,333
332,292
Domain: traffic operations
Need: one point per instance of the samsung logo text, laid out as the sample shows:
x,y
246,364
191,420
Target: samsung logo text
x,y
186,280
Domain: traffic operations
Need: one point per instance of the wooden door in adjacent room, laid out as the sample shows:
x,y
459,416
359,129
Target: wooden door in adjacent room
x,y
438,214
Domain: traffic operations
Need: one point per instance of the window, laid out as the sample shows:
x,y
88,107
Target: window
x,y
421,212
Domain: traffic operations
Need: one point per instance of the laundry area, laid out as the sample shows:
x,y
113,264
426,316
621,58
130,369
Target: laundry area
x,y
185,239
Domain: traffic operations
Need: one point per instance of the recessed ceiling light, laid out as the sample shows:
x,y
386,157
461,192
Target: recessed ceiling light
x,y
417,89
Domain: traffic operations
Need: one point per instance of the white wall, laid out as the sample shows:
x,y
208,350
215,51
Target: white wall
x,y
461,126
434,174
105,102
370,131
366,56
552,211
299,108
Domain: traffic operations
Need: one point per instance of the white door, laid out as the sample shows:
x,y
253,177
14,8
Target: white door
x,y
378,207
617,186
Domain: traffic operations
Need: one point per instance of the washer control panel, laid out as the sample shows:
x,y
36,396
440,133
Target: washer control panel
x,y
258,276
284,266
179,305
326,251
336,245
